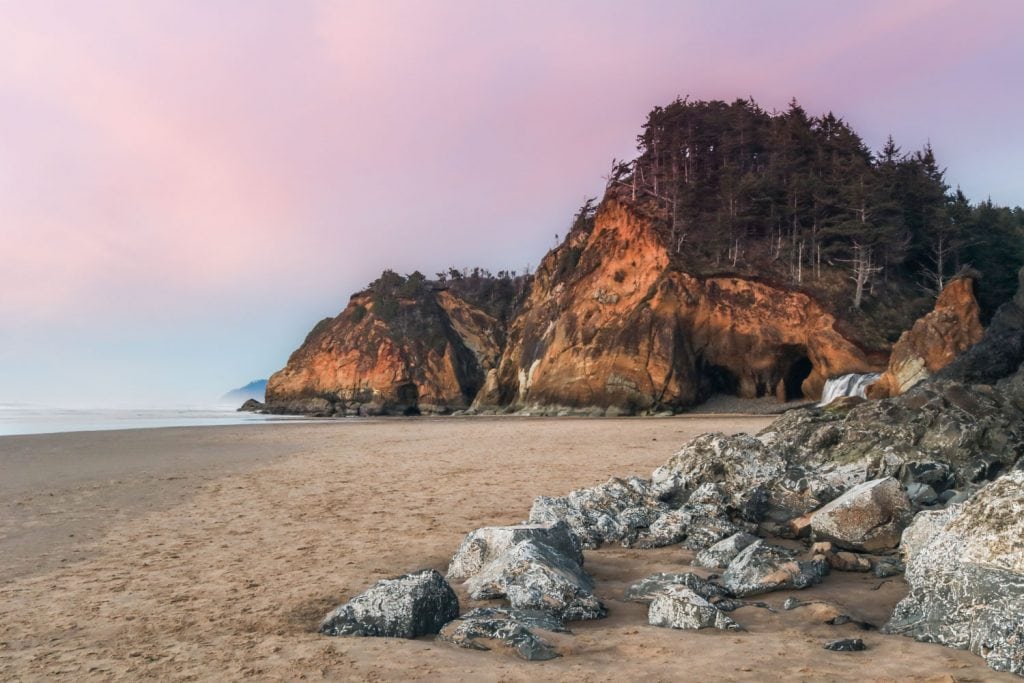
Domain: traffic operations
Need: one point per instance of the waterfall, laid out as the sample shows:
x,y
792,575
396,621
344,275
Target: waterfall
x,y
847,385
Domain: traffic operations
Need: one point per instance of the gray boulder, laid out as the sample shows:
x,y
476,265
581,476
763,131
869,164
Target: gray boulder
x,y
616,511
404,607
483,627
535,576
680,607
484,545
762,568
965,568
647,589
722,553
868,517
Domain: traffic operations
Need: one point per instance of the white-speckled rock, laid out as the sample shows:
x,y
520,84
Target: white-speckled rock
x,y
404,607
965,567
725,551
680,607
535,576
487,543
762,568
615,511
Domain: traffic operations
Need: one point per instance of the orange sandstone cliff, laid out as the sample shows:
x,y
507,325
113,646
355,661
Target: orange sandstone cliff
x,y
951,328
395,352
607,327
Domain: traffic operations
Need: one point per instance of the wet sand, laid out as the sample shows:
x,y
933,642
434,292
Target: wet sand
x,y
212,553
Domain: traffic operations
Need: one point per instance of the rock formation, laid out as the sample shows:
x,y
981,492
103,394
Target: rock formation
x,y
952,327
402,350
608,324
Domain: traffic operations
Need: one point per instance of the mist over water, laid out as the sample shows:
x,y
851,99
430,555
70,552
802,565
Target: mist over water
x,y
18,419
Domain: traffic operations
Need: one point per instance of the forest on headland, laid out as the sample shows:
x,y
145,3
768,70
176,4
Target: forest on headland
x,y
794,199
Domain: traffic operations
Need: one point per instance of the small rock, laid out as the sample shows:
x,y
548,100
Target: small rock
x,y
845,645
762,567
922,494
948,495
680,607
885,567
722,553
791,603
647,589
800,527
822,548
845,561
510,627
404,607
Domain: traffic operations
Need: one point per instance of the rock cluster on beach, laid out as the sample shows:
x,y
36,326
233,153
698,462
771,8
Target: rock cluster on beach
x,y
935,474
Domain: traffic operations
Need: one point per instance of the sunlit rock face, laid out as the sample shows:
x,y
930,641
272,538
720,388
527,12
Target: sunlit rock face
x,y
608,324
934,341
429,354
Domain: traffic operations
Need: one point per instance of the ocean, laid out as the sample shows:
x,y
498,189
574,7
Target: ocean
x,y
25,419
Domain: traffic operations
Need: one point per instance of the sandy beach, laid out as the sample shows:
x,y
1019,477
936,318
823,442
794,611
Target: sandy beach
x,y
212,554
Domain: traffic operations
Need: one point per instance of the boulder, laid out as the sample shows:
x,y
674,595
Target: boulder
x,y
647,589
722,553
680,607
868,517
965,569
404,607
484,627
762,568
951,328
613,512
535,576
484,545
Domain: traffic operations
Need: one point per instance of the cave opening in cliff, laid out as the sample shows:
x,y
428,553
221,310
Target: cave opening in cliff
x,y
408,396
799,370
716,379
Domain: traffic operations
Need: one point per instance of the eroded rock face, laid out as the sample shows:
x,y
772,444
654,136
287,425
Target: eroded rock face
x,y
534,576
482,546
951,328
965,567
1001,350
609,324
762,568
404,607
483,627
869,517
680,607
426,354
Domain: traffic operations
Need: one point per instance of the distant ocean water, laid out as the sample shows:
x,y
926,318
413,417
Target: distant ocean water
x,y
23,419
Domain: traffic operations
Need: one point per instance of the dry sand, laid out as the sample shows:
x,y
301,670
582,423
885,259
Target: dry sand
x,y
212,553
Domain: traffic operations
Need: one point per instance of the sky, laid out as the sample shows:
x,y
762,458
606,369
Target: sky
x,y
187,186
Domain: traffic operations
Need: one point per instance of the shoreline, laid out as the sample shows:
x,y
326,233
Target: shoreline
x,y
215,553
